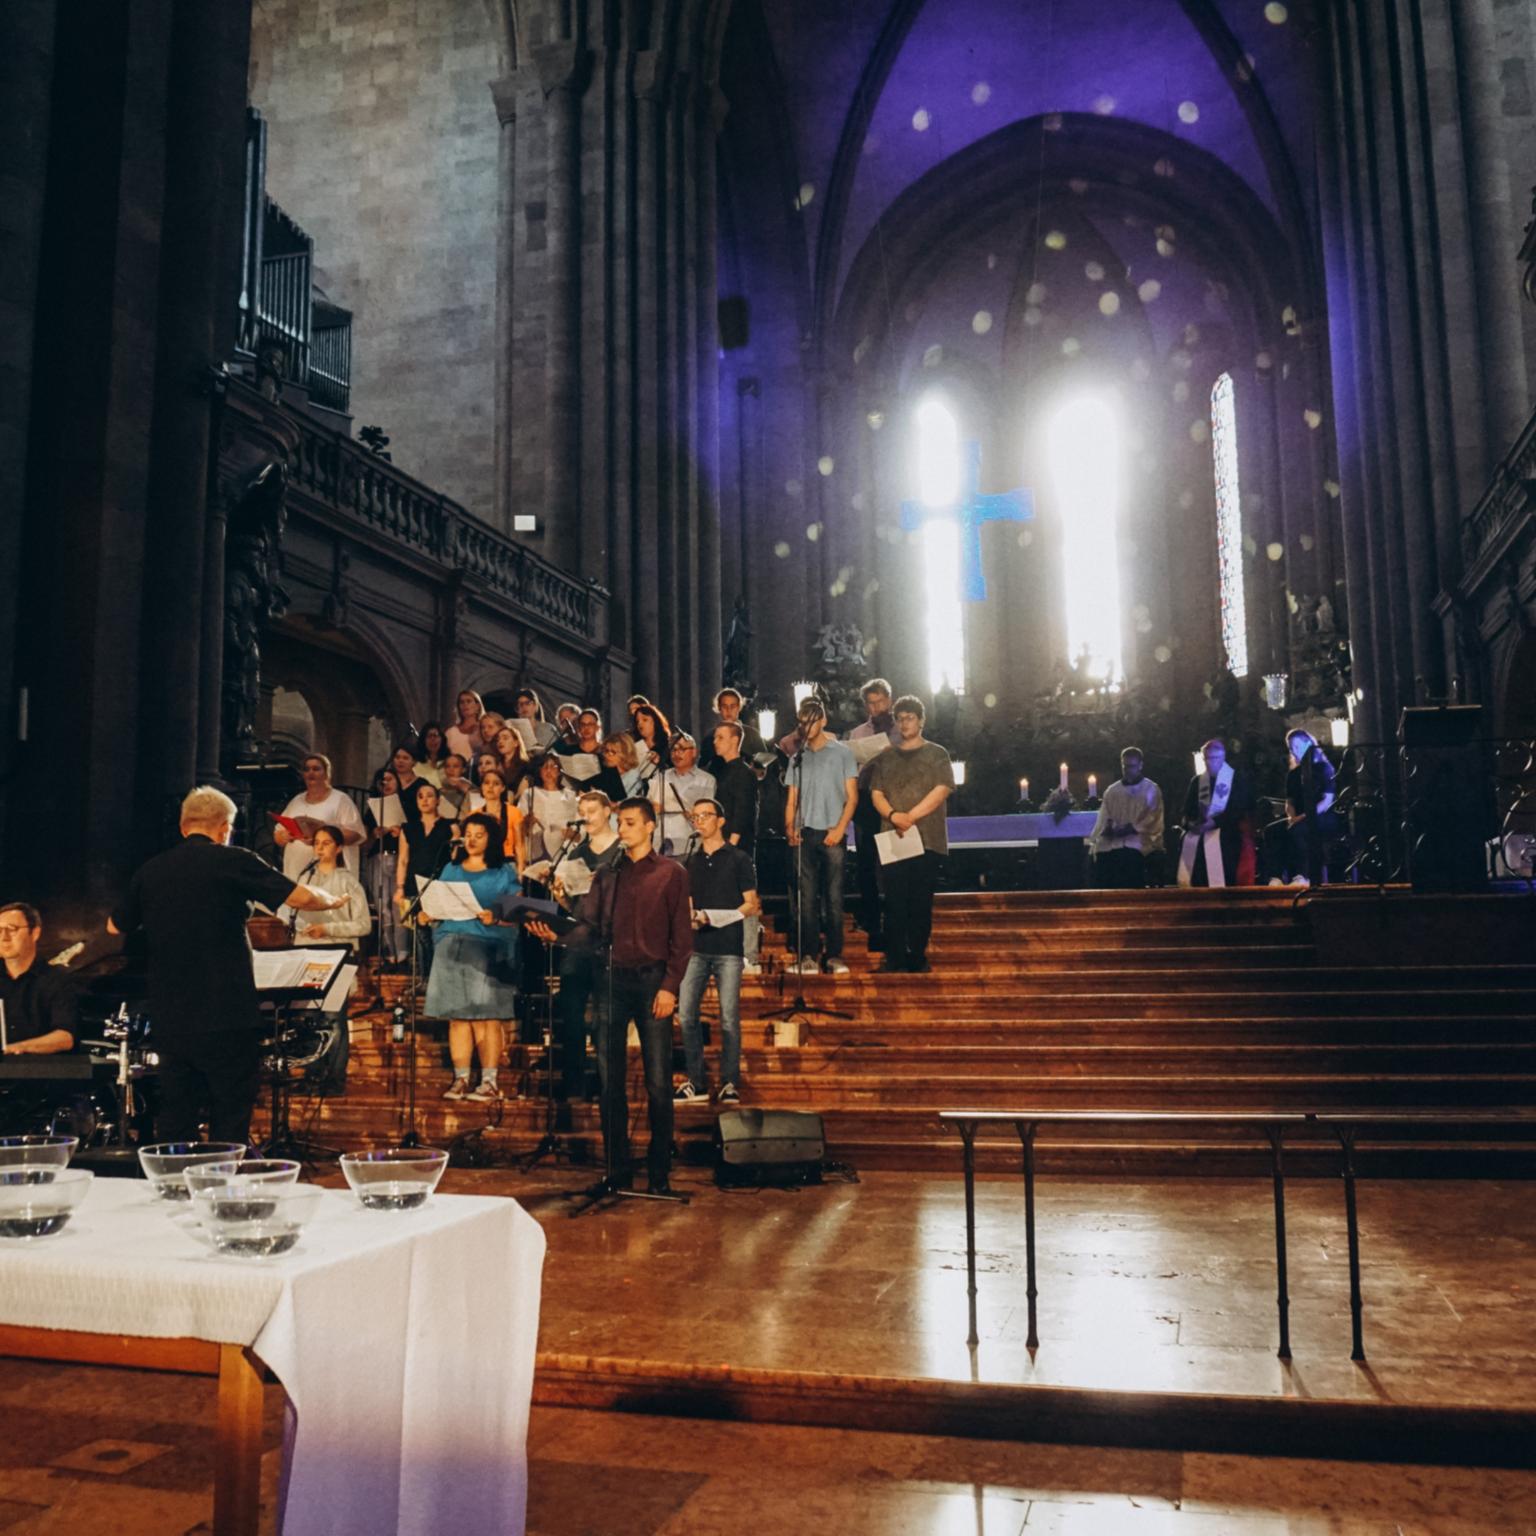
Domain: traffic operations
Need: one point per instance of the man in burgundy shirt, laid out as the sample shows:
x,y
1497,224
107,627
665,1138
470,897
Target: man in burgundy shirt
x,y
638,912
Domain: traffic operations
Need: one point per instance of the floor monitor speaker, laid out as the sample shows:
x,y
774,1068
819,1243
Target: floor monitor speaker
x,y
769,1146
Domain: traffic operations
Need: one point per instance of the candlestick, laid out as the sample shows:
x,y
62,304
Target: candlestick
x,y
1093,785
1063,776
1023,789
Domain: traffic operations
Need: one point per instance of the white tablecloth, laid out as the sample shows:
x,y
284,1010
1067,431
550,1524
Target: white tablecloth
x,y
405,1343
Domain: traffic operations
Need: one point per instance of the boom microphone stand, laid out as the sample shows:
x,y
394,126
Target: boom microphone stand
x,y
412,1137
798,1005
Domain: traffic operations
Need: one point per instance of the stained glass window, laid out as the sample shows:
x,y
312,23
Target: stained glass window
x,y
1229,525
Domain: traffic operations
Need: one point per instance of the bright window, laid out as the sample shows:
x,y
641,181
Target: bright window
x,y
1229,526
938,467
1085,467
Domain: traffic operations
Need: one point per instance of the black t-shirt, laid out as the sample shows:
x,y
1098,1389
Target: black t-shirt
x,y
752,745
736,790
39,1001
1319,771
718,881
191,903
429,851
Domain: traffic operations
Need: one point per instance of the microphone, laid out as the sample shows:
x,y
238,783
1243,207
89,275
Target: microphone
x,y
578,822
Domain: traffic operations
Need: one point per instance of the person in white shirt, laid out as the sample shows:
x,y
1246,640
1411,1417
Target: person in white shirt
x,y
464,734
324,806
530,707
1129,828
673,792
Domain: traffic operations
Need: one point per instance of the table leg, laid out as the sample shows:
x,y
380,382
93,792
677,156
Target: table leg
x,y
1026,1130
1346,1134
1282,1291
237,1464
968,1136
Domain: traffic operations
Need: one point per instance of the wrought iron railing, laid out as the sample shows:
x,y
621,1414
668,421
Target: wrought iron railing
x,y
1403,807
352,483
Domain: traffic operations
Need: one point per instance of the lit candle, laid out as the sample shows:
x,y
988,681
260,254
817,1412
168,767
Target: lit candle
x,y
1093,785
1199,762
1023,789
1063,776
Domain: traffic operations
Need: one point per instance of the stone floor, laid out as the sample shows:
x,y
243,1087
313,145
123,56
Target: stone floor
x,y
96,1452
1164,1285
1167,1285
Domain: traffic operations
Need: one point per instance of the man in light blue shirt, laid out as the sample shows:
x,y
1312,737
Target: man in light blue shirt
x,y
823,785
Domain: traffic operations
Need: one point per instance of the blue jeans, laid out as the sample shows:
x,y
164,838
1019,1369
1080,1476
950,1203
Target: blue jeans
x,y
726,969
821,893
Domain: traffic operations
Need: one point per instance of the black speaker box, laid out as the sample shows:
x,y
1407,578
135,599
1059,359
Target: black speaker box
x,y
1444,725
734,319
769,1146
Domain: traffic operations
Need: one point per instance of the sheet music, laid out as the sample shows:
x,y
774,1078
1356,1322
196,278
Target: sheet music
x,y
524,729
893,847
575,877
552,808
446,900
386,810
867,747
583,766
284,969
721,917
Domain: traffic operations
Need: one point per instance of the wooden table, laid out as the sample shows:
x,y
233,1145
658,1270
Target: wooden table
x,y
237,1451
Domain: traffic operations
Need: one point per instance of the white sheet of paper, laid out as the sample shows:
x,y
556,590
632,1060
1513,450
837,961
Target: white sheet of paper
x,y
524,728
447,899
552,809
893,847
386,810
341,990
574,877
866,747
582,765
721,917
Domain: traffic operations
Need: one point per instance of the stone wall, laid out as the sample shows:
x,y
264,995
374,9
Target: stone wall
x,y
383,145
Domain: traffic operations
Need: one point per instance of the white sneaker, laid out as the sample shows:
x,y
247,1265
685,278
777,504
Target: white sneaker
x,y
751,968
1301,880
837,968
1276,880
457,1089
486,1093
804,968
686,1093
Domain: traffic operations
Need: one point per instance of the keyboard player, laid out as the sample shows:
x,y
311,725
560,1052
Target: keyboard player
x,y
39,1000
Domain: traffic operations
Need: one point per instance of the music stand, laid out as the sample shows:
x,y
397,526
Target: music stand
x,y
293,976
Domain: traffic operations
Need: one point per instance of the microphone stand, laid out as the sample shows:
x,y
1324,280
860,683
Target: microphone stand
x,y
549,1142
412,1137
797,1004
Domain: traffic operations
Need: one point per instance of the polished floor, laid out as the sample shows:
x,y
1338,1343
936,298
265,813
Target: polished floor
x,y
96,1452
1159,1285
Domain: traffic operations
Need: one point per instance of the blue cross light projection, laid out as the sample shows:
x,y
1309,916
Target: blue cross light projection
x,y
970,510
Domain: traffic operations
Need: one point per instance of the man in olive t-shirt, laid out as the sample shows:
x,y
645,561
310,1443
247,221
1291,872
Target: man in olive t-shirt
x,y
909,784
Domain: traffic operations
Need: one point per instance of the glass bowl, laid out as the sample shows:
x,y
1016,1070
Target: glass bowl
x,y
38,1201
400,1179
165,1163
36,1151
255,1218
263,1170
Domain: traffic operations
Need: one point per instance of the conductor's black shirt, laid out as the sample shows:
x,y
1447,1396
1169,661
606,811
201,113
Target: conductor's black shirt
x,y
39,1001
191,903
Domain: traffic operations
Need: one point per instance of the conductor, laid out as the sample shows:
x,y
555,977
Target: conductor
x,y
191,903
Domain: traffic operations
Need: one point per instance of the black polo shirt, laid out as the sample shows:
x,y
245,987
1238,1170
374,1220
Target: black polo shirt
x,y
191,903
719,880
39,1001
736,790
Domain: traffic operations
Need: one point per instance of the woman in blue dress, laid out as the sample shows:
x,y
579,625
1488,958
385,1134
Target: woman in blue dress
x,y
474,964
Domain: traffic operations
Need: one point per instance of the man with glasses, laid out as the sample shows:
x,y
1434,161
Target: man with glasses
x,y
676,790
723,888
39,1000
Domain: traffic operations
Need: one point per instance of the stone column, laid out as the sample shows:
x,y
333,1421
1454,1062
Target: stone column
x,y
504,93
562,70
26,85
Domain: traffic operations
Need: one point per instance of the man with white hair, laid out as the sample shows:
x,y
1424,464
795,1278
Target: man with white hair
x,y
191,903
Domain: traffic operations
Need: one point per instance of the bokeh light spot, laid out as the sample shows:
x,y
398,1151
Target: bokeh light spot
x,y
1276,14
921,120
1188,112
1104,105
1071,346
1109,304
981,93
1275,551
1056,241
781,549
825,465
981,321
1199,431
1150,291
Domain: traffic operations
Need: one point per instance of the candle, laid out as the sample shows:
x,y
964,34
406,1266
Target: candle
x,y
1199,762
1093,785
1023,789
1063,776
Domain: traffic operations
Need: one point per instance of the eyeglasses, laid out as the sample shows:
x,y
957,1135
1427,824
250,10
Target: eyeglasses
x,y
12,928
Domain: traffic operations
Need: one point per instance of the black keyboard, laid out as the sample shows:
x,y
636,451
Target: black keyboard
x,y
63,1067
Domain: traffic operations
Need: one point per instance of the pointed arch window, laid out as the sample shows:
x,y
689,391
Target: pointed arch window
x,y
1229,525
1085,468
938,466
